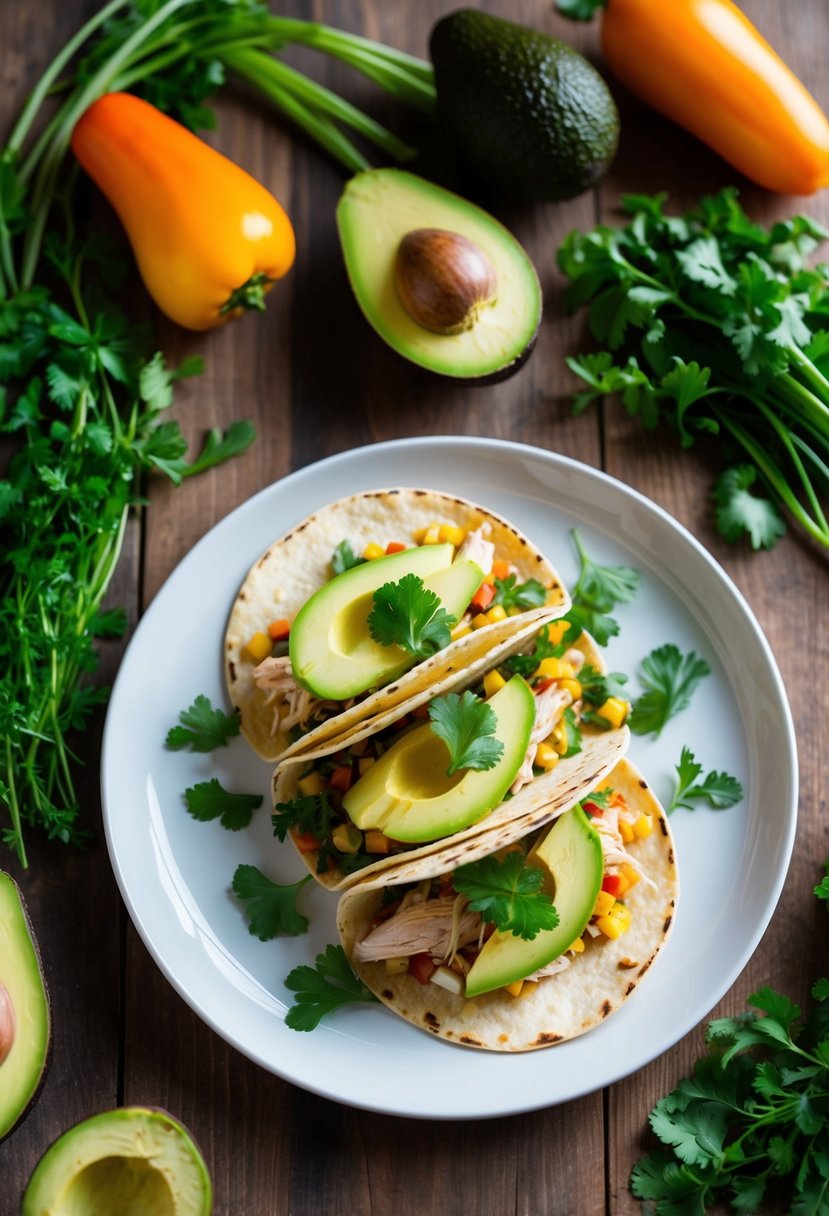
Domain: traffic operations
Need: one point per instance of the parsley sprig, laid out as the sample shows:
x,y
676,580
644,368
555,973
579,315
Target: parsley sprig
x,y
716,326
202,728
598,589
670,679
408,614
271,907
719,790
507,892
467,726
509,593
208,800
322,988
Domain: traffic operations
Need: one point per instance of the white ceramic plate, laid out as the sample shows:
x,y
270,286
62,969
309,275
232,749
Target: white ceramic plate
x,y
174,873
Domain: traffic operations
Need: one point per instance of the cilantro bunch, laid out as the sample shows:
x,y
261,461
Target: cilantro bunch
x,y
716,326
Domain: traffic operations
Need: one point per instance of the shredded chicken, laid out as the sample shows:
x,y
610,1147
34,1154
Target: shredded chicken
x,y
422,928
558,964
615,853
549,706
477,549
292,704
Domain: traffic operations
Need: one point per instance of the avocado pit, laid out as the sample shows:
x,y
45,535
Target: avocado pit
x,y
7,1025
443,279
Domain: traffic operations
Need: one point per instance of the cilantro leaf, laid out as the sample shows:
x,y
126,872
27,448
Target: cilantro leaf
x,y
822,889
271,906
719,790
509,593
309,813
344,558
203,728
466,724
218,447
598,589
739,512
525,664
323,988
508,893
670,679
409,615
209,800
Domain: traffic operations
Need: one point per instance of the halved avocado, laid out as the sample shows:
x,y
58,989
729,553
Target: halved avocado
x,y
570,854
407,795
377,211
133,1161
24,1009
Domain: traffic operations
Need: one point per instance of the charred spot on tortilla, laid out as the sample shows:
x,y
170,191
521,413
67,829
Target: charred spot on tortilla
x,y
667,923
671,856
471,1041
630,988
625,964
387,994
232,672
546,1038
606,1008
431,1019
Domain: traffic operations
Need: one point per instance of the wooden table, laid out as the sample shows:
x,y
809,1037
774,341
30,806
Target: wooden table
x,y
317,381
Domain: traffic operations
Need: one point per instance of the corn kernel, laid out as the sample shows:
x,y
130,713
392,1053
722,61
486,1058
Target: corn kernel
x,y
493,680
396,966
554,669
622,884
546,757
556,631
431,536
614,710
514,611
626,831
311,783
571,686
643,826
450,534
258,647
419,534
460,630
373,551
479,621
610,926
558,739
631,873
496,613
347,838
576,947
604,902
377,842
514,989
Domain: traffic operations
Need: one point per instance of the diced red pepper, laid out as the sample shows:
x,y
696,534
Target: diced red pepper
x,y
543,685
340,779
279,630
482,598
420,711
306,842
613,884
592,808
394,546
421,967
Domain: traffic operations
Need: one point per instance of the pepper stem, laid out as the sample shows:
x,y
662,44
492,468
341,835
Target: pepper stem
x,y
250,295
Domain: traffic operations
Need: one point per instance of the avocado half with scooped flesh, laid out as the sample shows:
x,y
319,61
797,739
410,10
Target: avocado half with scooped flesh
x,y
24,1010
134,1161
570,855
442,282
407,794
332,651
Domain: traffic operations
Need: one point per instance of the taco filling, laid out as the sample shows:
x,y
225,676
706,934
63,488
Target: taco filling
x,y
443,767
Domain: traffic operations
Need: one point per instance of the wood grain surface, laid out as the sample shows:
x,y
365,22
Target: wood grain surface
x,y
316,380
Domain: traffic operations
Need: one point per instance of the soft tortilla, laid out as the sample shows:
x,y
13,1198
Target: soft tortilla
x,y
541,800
299,563
560,1006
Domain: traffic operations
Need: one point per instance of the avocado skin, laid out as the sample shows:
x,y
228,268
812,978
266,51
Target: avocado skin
x,y
529,114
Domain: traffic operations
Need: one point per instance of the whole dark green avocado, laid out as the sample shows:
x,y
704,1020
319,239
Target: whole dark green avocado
x,y
528,113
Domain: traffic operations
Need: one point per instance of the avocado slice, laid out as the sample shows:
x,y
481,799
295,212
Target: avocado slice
x,y
332,652
407,795
528,113
570,854
133,1161
24,1009
378,210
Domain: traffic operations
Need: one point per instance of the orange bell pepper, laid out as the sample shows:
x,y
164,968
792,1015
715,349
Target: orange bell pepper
x,y
704,65
209,240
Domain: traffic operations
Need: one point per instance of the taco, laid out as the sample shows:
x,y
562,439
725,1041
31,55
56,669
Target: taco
x,y
305,665
483,747
417,937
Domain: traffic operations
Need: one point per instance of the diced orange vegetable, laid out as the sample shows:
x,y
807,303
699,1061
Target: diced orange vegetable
x,y
514,989
604,902
556,630
394,546
500,569
493,681
626,831
546,757
340,779
421,967
482,598
278,630
306,842
377,842
643,826
554,669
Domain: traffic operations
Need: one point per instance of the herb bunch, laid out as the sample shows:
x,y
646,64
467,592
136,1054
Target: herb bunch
x,y
715,325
